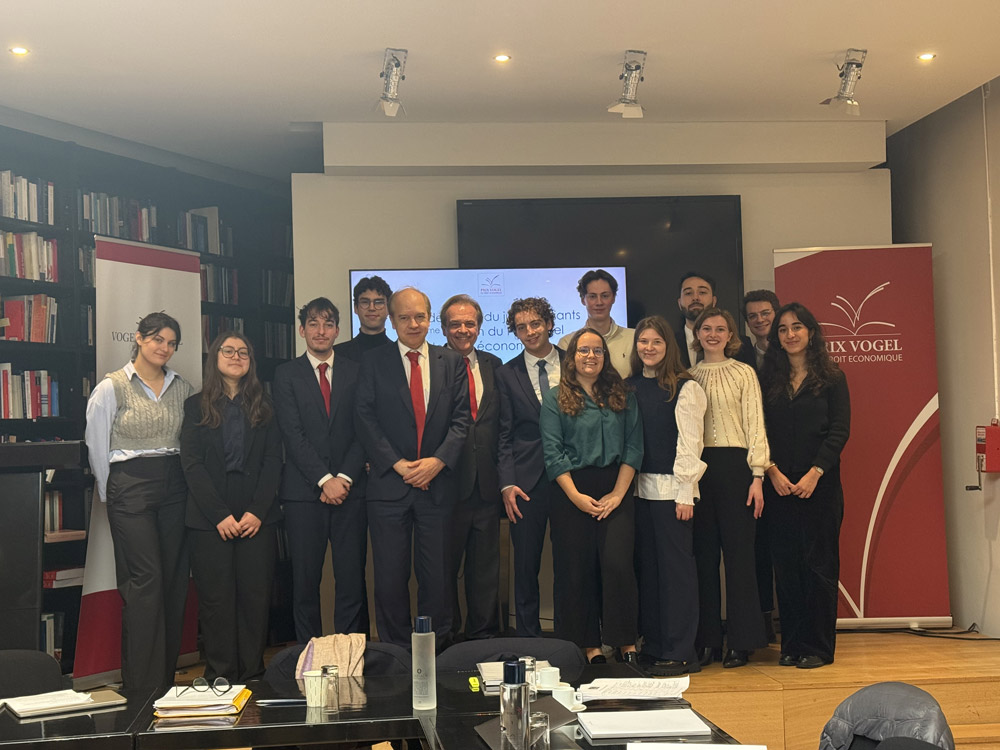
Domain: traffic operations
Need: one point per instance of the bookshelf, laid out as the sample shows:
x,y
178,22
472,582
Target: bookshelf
x,y
54,196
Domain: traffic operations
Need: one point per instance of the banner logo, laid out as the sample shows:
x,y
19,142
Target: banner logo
x,y
490,284
854,316
857,345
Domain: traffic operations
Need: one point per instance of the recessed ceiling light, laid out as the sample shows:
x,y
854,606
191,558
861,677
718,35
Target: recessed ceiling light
x,y
926,56
21,51
502,58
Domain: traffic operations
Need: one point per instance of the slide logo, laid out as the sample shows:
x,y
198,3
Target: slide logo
x,y
491,284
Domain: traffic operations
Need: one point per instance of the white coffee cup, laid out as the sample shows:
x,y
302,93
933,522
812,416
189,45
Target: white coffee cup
x,y
314,687
565,695
547,677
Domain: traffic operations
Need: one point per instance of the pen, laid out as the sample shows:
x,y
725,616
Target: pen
x,y
281,702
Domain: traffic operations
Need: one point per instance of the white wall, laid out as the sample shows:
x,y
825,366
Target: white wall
x,y
940,196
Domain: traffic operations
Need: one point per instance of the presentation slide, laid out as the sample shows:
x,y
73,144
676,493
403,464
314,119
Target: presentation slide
x,y
495,289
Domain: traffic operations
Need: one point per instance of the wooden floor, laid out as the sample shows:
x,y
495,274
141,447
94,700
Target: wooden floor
x,y
785,708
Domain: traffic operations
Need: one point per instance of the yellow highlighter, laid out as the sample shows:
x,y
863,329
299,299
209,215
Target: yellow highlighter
x,y
474,684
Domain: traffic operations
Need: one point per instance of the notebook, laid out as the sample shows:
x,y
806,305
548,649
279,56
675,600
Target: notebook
x,y
671,722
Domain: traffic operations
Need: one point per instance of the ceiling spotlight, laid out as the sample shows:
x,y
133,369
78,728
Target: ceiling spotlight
x,y
392,73
502,58
19,51
926,57
850,74
632,68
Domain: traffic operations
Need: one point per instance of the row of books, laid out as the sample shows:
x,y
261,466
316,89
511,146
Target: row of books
x,y
220,284
276,288
52,515
87,261
50,634
213,325
127,218
201,229
27,200
30,317
87,324
278,340
30,394
29,256
61,578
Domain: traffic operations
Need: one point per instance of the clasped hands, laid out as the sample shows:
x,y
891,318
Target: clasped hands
x,y
246,527
599,509
803,488
420,472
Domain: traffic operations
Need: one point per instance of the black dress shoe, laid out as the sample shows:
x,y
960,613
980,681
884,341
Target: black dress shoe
x,y
735,658
632,659
810,662
667,668
598,659
707,655
787,660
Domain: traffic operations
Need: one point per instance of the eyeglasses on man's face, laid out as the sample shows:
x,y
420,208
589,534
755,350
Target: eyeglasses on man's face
x,y
231,351
377,303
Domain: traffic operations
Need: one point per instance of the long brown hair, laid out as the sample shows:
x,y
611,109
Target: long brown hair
x,y
609,389
669,370
251,393
776,374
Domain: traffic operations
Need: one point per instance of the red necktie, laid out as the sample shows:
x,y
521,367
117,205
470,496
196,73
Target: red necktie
x,y
417,395
472,388
324,385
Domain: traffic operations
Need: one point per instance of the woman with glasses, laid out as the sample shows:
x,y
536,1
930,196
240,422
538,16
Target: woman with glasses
x,y
732,495
673,406
133,433
592,444
808,410
231,452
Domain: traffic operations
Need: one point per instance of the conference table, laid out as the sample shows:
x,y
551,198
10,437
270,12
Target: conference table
x,y
373,709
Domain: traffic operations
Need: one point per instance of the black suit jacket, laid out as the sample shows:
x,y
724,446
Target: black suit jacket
x,y
479,454
386,426
744,355
203,457
519,452
317,445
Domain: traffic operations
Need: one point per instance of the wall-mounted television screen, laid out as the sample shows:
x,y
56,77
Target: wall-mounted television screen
x,y
656,239
494,289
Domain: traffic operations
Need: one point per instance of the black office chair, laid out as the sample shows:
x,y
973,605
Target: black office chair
x,y
380,659
26,672
884,710
466,655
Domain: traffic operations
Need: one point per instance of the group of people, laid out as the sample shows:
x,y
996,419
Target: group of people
x,y
643,450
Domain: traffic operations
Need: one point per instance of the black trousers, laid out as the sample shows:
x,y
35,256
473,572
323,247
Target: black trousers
x,y
724,527
762,558
595,595
805,536
411,525
528,538
668,581
311,526
475,536
234,579
146,502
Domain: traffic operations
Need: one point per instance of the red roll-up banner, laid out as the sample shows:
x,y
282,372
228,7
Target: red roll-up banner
x,y
876,308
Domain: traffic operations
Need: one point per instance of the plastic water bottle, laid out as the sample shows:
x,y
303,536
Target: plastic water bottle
x,y
422,641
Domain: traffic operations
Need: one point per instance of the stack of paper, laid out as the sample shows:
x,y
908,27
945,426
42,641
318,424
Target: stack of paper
x,y
207,703
62,701
671,722
491,672
638,688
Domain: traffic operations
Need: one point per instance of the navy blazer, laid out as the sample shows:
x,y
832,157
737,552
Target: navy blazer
x,y
203,457
479,454
519,453
317,445
386,426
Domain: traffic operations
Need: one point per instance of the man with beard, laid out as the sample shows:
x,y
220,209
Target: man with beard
x,y
697,292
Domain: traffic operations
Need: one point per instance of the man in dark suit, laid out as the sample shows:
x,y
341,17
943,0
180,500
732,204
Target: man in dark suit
x,y
525,487
323,485
371,299
697,293
412,418
476,520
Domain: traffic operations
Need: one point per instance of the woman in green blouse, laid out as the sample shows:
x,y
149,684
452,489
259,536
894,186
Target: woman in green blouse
x,y
592,441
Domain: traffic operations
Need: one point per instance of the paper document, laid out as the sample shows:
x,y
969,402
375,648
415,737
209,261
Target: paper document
x,y
642,688
687,746
491,672
671,722
207,703
46,703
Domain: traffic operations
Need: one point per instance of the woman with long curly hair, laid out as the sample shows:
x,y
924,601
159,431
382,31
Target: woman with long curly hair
x,y
808,410
231,454
672,406
592,443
